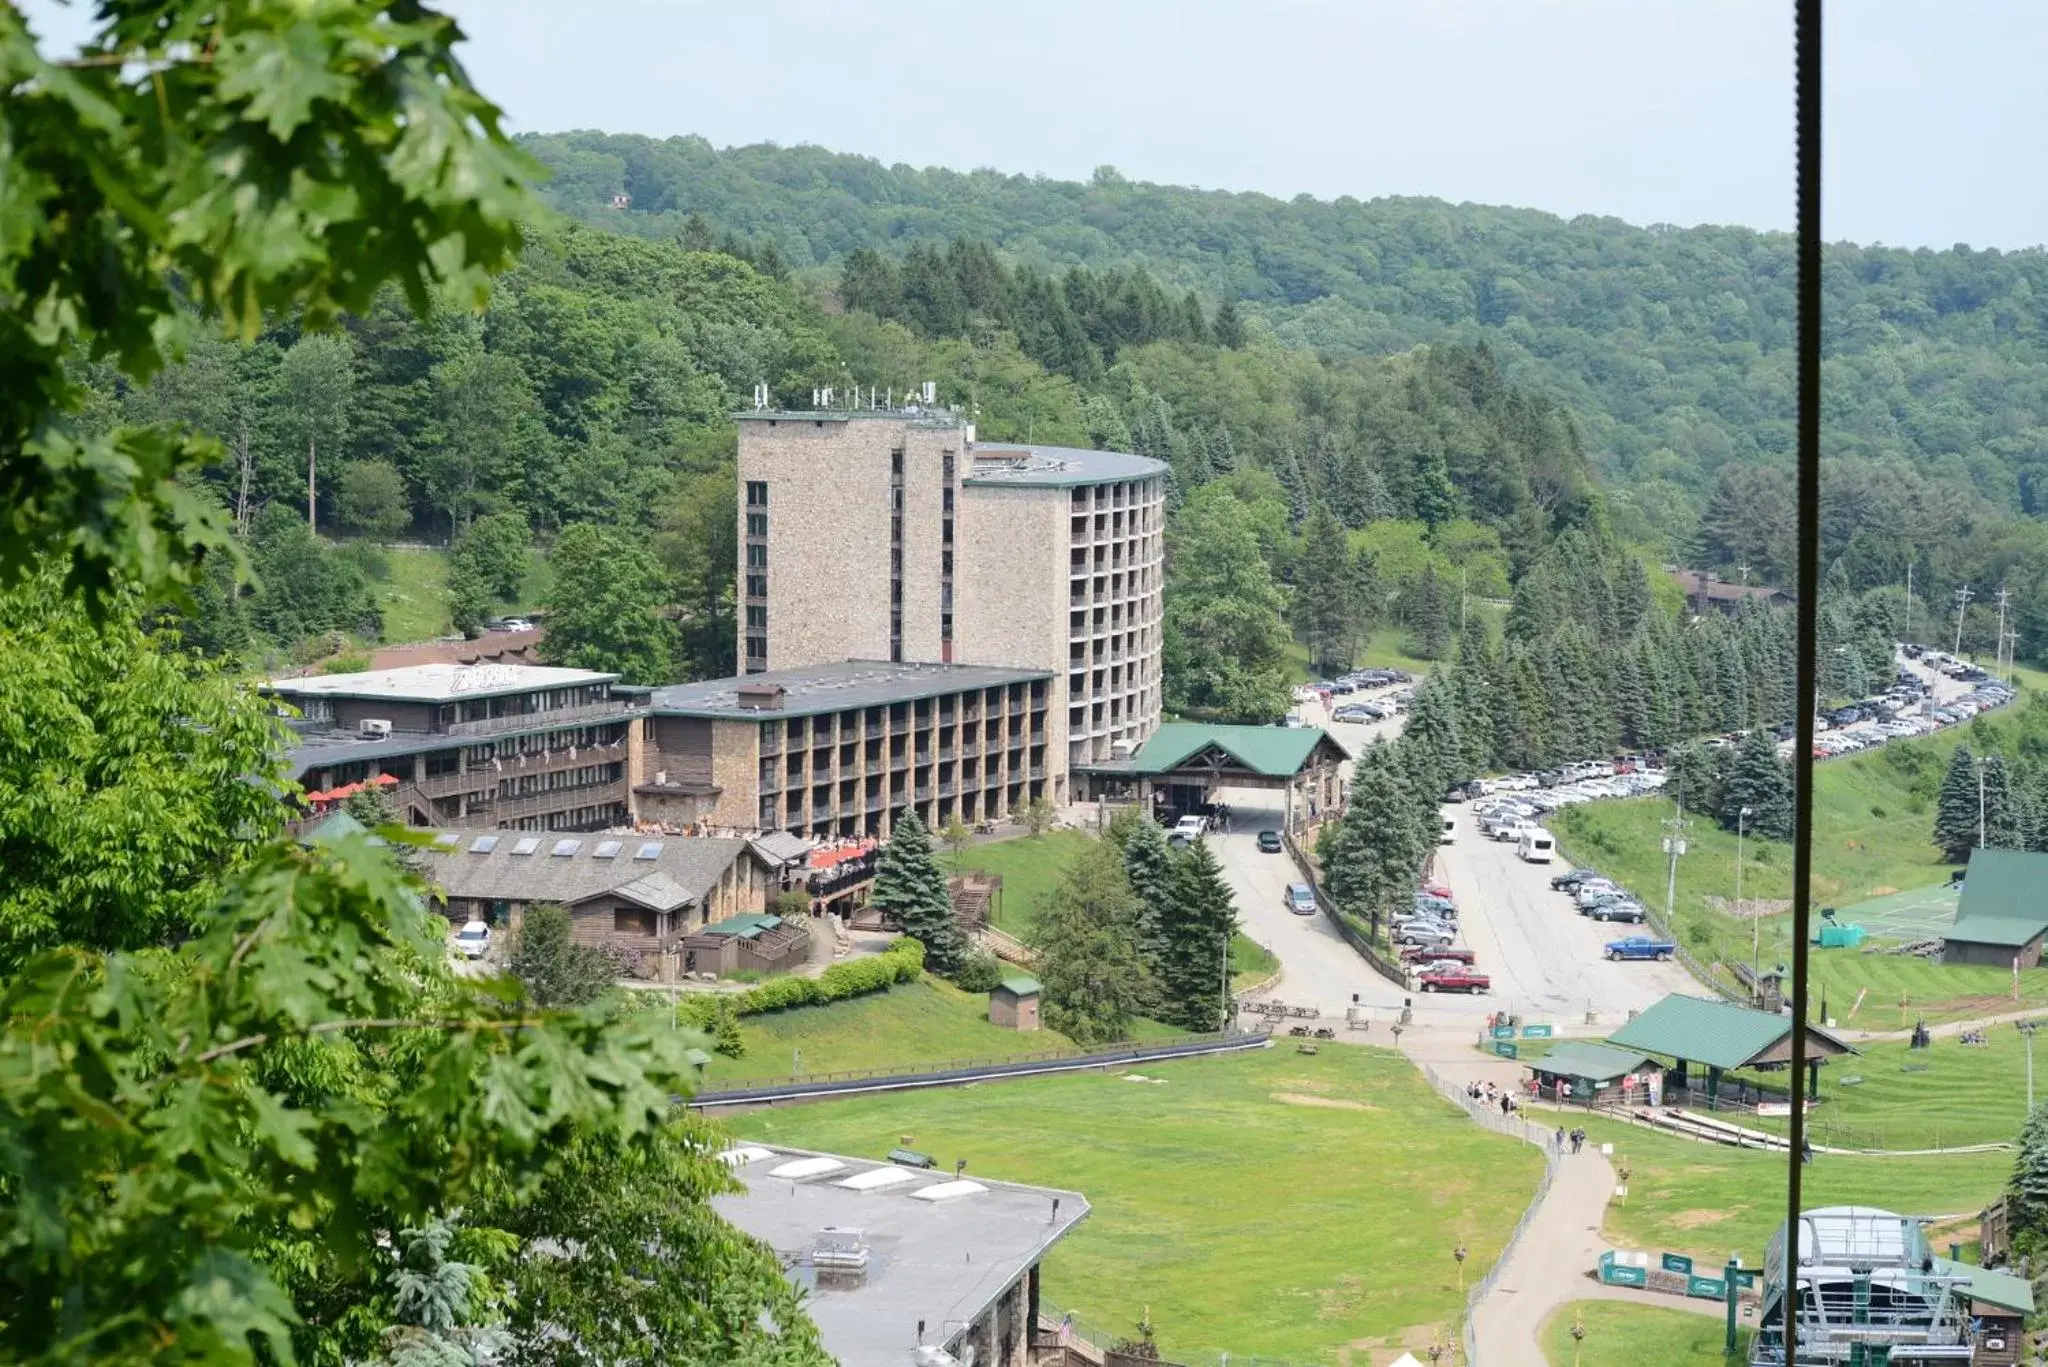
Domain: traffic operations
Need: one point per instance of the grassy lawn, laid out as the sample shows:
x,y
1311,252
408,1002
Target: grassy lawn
x,y
1705,1200
1250,961
414,595
1622,1335
1030,866
1272,1203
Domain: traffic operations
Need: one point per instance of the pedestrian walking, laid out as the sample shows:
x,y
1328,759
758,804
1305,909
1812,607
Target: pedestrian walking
x,y
1560,1139
1805,1150
1578,1140
1507,1103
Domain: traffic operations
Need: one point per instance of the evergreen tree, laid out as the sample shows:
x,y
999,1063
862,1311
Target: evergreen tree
x,y
1695,775
1372,856
556,970
909,886
1086,936
1430,617
434,1304
604,611
1200,919
2026,1191
1758,779
1321,607
1955,808
1148,864
1228,327
2008,820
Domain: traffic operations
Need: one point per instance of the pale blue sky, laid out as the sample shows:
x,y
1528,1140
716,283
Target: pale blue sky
x,y
1654,110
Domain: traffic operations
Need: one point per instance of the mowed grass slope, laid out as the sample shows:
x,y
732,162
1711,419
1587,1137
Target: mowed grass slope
x,y
1273,1203
1705,1199
414,594
1947,1095
912,1024
1619,1334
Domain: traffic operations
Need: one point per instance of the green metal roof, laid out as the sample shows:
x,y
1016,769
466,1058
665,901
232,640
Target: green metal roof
x,y
2005,883
1274,751
745,926
1717,1033
2001,1289
2010,932
1593,1062
1020,984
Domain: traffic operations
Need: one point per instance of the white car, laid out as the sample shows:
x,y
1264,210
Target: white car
x,y
1191,827
473,941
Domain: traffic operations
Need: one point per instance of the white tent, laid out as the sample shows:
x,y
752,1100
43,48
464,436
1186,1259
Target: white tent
x,y
1405,1360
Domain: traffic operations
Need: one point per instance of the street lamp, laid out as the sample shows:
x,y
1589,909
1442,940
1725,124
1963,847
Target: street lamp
x,y
1460,1255
2028,1028
1756,923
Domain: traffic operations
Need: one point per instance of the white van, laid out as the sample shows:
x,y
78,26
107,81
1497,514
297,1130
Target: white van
x,y
1449,834
1537,846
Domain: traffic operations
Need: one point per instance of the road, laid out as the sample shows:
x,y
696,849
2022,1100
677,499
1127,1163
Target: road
x,y
1544,959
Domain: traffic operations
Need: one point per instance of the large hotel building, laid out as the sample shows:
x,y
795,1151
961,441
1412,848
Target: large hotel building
x,y
895,536
926,623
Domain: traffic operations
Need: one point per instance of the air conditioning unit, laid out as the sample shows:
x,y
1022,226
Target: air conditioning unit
x,y
1122,749
373,728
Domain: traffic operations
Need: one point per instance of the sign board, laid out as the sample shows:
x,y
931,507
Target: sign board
x,y
1506,1048
1676,1262
1707,1288
1503,1032
1624,1269
1745,1280
1538,1031
1780,1108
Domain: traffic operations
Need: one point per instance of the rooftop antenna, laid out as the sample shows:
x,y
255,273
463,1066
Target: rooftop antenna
x,y
931,392
760,396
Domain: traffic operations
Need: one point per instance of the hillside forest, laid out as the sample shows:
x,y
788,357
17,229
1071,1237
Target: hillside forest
x,y
1440,487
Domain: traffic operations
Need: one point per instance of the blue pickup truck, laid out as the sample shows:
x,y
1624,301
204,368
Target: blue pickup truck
x,y
1640,947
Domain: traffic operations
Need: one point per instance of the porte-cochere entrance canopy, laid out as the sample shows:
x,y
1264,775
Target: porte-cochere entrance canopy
x,y
1185,764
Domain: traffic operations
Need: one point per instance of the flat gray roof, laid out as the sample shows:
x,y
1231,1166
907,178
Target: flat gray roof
x,y
942,1261
1015,463
435,682
832,688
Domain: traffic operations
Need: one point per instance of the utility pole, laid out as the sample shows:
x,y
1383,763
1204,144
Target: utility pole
x,y
1980,801
1998,652
1963,597
1674,845
1756,923
1461,602
1907,633
2028,1028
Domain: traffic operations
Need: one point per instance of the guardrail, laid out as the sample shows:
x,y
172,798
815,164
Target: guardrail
x,y
815,1086
1346,926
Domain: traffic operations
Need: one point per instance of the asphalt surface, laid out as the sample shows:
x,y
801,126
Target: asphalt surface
x,y
1544,959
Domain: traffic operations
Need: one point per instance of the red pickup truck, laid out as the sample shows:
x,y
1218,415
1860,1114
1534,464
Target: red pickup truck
x,y
1460,980
1412,953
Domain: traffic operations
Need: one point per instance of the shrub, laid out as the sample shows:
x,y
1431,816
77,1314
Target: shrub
x,y
978,972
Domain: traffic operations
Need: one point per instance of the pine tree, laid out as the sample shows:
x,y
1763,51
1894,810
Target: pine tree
x,y
2026,1191
1321,608
1228,327
1758,780
1955,808
2008,820
1430,617
1148,865
909,886
1200,920
1371,859
1086,936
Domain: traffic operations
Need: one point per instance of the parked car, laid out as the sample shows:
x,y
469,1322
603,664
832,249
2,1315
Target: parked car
x,y
1191,826
1301,899
1415,954
1424,933
1569,880
1537,846
1270,842
1448,835
1620,909
473,941
1460,979
1640,947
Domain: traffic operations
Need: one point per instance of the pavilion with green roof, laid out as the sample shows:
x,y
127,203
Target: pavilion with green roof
x,y
2002,912
1183,764
1721,1037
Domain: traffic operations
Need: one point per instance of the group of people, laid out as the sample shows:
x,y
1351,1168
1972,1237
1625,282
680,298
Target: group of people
x,y
1491,1095
1576,1138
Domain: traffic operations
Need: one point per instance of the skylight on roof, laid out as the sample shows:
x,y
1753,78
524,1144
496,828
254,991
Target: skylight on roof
x,y
483,844
447,840
606,849
741,1155
649,850
947,1191
565,848
527,844
876,1178
800,1168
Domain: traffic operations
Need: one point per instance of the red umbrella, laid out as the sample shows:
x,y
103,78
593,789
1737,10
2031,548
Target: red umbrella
x,y
385,781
